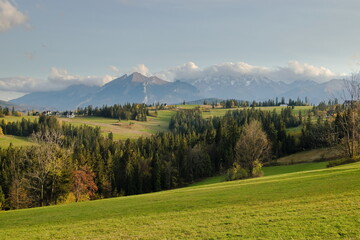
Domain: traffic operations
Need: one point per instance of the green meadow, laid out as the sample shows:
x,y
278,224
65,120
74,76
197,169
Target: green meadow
x,y
318,203
269,171
319,154
6,140
15,119
126,129
218,112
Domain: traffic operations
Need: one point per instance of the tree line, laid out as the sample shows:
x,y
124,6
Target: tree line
x,y
233,103
6,111
138,112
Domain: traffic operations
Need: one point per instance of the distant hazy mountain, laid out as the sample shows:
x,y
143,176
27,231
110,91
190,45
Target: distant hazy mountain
x,y
5,104
9,105
135,88
251,87
68,98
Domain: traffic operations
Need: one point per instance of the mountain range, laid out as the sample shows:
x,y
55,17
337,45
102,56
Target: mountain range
x,y
141,89
260,88
135,88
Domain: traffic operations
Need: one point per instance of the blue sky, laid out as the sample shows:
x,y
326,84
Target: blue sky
x,y
92,39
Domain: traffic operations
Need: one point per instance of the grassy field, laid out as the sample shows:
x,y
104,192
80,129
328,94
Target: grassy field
x,y
15,119
300,167
126,129
319,154
315,204
218,112
5,141
269,171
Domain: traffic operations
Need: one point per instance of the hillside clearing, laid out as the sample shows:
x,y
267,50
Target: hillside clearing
x,y
126,129
16,141
15,119
320,154
317,204
269,171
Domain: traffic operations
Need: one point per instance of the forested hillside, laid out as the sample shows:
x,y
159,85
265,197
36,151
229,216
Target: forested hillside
x,y
80,161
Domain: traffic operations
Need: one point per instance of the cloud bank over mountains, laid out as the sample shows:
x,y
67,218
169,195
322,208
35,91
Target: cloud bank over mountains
x,y
60,78
292,72
57,79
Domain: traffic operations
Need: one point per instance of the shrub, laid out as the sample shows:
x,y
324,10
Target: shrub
x,y
342,161
2,198
236,172
256,171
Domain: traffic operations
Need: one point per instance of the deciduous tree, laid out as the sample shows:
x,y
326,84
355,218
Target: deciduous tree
x,y
82,183
252,148
349,124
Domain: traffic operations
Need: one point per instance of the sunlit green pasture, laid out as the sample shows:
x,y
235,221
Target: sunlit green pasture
x,y
320,154
218,112
123,129
15,119
6,140
315,204
270,170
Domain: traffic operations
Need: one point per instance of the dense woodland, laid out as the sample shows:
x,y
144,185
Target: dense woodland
x,y
81,161
134,111
233,103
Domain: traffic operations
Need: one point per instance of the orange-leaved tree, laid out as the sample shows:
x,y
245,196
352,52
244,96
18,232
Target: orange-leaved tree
x,y
82,183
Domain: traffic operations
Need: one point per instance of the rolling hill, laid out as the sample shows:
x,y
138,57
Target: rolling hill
x,y
314,204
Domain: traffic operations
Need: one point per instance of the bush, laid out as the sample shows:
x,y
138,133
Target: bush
x,y
257,172
2,198
236,172
342,161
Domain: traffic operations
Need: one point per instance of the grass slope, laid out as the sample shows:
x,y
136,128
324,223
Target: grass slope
x,y
16,141
15,119
126,129
316,204
319,154
269,171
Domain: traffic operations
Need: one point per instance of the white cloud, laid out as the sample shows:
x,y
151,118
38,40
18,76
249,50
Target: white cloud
x,y
302,71
19,84
62,77
10,16
9,95
115,69
57,79
292,72
141,68
187,71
